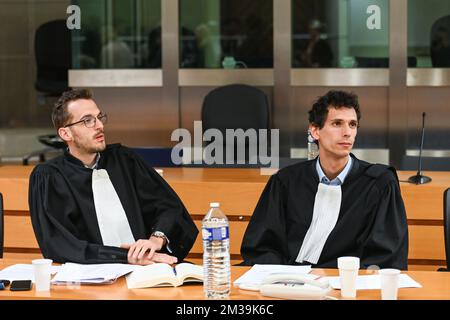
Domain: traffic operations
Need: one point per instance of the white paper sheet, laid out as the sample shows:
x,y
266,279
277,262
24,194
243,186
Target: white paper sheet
x,y
21,272
373,282
91,273
255,276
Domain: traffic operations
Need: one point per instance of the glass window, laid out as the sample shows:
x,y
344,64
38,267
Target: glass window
x,y
226,34
340,34
118,34
429,33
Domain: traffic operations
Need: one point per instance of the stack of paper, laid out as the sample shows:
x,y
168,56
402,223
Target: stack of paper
x,y
21,272
71,273
253,278
373,282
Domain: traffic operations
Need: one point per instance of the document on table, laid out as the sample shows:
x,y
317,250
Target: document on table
x,y
373,282
91,273
21,272
255,276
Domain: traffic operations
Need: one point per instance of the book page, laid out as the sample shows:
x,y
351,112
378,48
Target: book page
x,y
158,274
22,272
373,282
91,273
188,272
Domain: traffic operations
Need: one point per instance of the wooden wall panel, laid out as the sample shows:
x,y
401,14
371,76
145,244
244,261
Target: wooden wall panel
x,y
237,230
426,242
19,233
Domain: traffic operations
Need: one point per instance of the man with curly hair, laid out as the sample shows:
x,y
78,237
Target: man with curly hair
x,y
335,205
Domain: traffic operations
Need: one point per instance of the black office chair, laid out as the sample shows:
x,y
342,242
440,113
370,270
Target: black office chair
x,y
236,106
446,229
1,226
439,38
54,145
53,54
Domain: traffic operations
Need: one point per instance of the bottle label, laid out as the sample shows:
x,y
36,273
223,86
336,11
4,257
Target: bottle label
x,y
212,234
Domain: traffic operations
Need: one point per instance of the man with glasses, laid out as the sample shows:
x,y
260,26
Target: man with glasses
x,y
101,203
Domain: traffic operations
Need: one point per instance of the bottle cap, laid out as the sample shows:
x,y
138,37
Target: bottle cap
x,y
214,204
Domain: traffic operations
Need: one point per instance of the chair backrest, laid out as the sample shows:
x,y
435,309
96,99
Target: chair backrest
x,y
440,35
447,226
236,106
52,140
1,226
53,53
156,156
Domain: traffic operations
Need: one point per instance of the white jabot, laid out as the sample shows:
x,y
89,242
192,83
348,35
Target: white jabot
x,y
112,220
327,205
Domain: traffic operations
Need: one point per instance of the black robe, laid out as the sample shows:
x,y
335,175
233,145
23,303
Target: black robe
x,y
63,212
371,225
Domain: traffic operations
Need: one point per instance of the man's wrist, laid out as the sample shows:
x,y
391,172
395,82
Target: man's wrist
x,y
160,235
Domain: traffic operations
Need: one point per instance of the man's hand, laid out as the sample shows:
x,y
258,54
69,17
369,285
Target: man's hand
x,y
138,249
157,258
137,252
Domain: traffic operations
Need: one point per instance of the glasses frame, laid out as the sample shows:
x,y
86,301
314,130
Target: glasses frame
x,y
99,117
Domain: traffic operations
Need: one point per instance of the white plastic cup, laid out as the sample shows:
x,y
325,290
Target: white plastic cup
x,y
348,273
389,283
42,274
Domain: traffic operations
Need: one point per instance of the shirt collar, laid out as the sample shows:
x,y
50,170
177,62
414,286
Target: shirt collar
x,y
339,179
95,165
77,161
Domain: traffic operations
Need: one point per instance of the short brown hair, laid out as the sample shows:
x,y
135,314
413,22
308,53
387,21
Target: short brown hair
x,y
60,115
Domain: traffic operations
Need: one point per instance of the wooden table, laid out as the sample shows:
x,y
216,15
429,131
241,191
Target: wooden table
x,y
238,191
436,286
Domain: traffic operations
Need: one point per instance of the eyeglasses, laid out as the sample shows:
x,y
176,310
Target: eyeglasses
x,y
90,121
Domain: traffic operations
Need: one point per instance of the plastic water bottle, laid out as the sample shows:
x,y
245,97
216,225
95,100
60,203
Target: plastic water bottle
x,y
216,254
313,148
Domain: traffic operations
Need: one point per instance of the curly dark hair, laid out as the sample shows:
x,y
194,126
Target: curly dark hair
x,y
60,115
333,98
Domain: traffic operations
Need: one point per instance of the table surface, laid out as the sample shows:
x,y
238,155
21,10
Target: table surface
x,y
435,286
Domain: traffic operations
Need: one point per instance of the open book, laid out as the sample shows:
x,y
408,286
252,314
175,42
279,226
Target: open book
x,y
162,275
